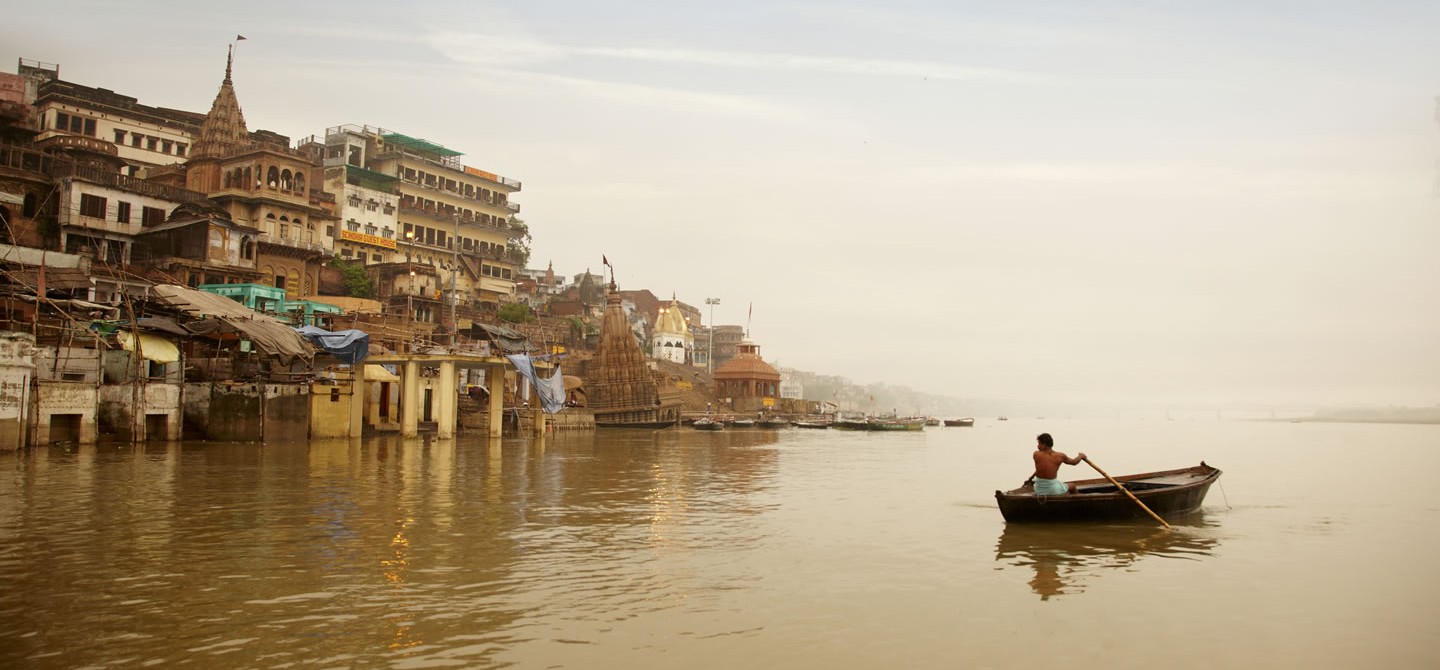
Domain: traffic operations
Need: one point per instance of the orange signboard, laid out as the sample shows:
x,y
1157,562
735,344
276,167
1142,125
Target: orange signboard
x,y
373,240
481,173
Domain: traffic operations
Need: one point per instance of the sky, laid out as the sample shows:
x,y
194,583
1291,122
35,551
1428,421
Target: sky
x,y
1194,204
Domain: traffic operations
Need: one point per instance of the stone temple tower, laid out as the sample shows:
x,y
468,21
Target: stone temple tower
x,y
622,389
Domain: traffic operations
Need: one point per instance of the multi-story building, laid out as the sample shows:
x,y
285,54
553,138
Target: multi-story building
x,y
368,202
450,216
143,136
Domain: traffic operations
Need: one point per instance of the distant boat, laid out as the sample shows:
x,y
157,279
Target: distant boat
x,y
966,422
707,423
813,424
895,424
1003,418
932,421
772,423
740,423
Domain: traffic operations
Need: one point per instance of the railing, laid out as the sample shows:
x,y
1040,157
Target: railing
x,y
292,241
126,183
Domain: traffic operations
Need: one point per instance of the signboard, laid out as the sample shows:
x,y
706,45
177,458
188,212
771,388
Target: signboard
x,y
768,402
684,386
372,240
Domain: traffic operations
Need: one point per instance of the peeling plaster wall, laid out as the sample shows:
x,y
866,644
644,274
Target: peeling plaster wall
x,y
65,412
116,413
17,366
235,412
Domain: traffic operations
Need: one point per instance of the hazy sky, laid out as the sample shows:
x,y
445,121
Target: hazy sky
x,y
1054,201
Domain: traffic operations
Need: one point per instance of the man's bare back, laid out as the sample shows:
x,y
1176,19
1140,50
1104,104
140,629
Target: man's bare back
x,y
1047,460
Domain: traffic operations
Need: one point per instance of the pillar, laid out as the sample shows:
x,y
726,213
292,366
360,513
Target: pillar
x,y
447,417
495,381
410,400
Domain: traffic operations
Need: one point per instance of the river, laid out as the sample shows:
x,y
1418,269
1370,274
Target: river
x,y
680,548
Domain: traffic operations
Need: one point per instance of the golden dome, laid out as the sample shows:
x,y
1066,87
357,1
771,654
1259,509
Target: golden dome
x,y
671,320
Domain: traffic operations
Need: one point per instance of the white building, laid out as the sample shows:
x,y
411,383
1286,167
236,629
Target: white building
x,y
672,340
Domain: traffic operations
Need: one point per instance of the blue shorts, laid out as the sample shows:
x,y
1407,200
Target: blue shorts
x,y
1050,487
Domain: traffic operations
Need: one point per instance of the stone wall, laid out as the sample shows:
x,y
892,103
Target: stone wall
x,y
161,406
65,412
17,365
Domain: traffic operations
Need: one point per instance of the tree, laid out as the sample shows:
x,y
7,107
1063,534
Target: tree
x,y
353,277
516,312
518,248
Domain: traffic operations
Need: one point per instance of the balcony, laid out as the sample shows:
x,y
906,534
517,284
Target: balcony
x,y
293,241
126,183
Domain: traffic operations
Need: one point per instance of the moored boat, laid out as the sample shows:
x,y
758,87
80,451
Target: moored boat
x,y
931,421
649,425
812,424
772,423
707,423
1168,493
895,424
966,422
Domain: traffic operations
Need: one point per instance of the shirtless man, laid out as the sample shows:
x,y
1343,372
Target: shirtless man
x,y
1047,468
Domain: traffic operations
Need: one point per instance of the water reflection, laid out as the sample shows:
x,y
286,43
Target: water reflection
x,y
1065,557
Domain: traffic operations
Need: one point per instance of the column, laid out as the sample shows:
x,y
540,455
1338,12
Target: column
x,y
410,400
447,417
495,381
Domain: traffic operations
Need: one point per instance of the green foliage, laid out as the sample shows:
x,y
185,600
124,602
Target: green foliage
x,y
519,249
516,312
355,279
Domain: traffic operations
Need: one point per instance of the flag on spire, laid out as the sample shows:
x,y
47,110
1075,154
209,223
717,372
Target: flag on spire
x,y
239,37
605,260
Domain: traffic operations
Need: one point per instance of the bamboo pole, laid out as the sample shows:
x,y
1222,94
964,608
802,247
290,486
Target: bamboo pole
x,y
1127,493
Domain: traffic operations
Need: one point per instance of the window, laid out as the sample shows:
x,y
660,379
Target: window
x,y
122,212
360,256
62,121
330,231
89,127
152,142
378,258
166,146
179,148
135,139
346,253
119,136
279,281
92,205
370,229
152,215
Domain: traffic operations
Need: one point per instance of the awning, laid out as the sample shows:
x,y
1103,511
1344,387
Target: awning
x,y
152,347
270,335
378,373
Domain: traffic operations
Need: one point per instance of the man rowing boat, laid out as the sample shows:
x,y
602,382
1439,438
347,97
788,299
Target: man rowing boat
x,y
1047,468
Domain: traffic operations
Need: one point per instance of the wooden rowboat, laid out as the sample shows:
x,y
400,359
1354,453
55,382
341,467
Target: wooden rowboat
x,y
1169,493
960,422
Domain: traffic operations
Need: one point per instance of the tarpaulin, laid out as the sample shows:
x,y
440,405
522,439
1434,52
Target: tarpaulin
x,y
152,347
350,346
550,391
267,333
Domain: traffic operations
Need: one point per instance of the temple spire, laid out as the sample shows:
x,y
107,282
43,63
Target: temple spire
x,y
223,132
229,62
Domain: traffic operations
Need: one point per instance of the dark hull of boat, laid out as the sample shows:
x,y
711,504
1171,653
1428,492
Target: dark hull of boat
x,y
652,425
709,425
772,425
1169,493
812,424
953,423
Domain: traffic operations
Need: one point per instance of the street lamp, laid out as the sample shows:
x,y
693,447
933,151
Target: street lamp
x,y
710,357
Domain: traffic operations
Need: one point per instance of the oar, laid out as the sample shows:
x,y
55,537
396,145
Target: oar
x,y
1127,493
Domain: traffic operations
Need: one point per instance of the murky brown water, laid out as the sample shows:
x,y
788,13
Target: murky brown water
x,y
797,549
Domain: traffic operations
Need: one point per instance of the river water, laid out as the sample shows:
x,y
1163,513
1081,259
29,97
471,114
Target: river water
x,y
679,548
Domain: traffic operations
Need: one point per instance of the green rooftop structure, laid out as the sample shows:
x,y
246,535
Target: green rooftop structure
x,y
304,312
417,144
259,297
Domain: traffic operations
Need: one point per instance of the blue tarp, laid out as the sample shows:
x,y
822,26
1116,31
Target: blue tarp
x,y
350,346
550,391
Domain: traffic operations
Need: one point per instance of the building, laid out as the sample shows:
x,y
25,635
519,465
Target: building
x,y
452,217
143,136
726,343
262,184
621,387
747,381
671,339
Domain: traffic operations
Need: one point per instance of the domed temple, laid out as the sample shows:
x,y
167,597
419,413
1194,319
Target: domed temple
x,y
747,380
672,340
622,389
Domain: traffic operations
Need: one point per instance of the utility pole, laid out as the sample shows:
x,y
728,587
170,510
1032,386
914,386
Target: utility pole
x,y
710,358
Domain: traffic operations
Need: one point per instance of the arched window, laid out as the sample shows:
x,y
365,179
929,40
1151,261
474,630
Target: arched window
x,y
225,183
300,182
285,181
272,177
248,183
247,248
